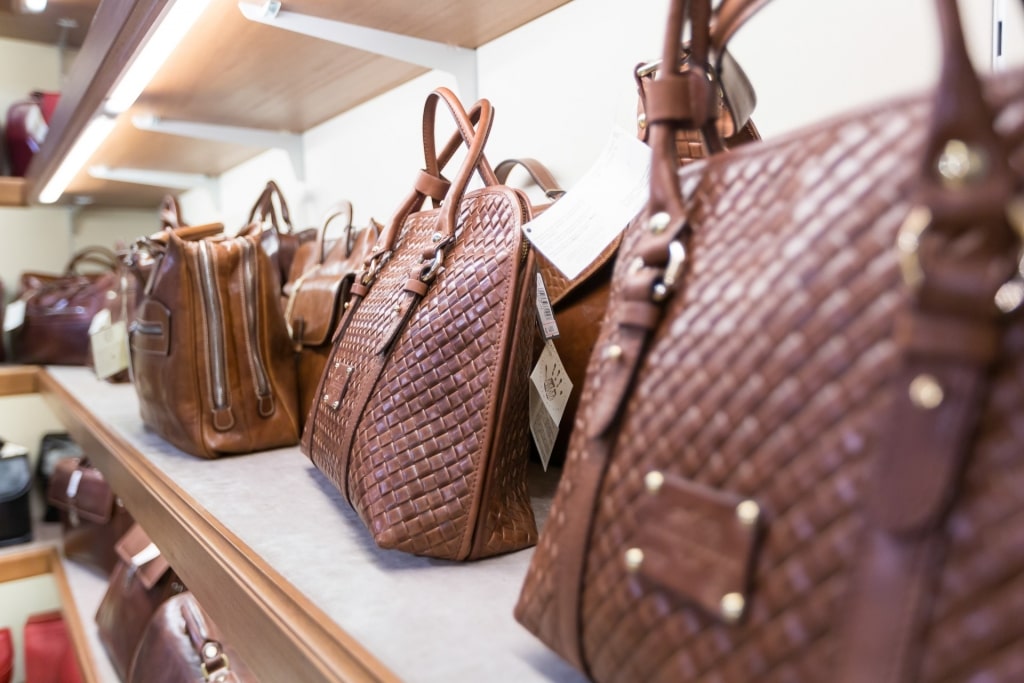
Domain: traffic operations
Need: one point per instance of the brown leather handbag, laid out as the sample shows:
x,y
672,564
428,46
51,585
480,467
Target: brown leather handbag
x,y
280,239
60,307
800,436
181,644
322,273
139,584
421,416
212,363
92,517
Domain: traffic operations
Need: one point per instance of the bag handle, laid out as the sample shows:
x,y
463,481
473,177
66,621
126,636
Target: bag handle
x,y
170,213
264,209
540,174
342,209
100,256
214,662
473,129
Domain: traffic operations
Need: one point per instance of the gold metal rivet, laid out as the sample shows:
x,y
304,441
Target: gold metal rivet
x,y
653,481
634,558
960,163
659,292
926,392
732,605
436,237
659,221
345,307
210,651
641,121
748,512
613,352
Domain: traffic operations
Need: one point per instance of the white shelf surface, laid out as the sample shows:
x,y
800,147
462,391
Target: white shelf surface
x,y
426,620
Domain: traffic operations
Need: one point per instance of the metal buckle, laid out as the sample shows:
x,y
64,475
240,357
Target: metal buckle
x,y
218,673
673,269
435,266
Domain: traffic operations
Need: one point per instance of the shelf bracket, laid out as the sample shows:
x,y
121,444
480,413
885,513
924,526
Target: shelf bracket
x,y
291,143
456,60
170,179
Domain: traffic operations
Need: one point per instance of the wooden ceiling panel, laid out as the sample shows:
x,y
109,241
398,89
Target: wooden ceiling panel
x,y
43,27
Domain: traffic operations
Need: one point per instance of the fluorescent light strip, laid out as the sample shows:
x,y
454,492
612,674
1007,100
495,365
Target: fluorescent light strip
x,y
158,47
87,143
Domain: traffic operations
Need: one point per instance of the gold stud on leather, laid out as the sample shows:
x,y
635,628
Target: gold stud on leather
x,y
436,237
211,651
659,221
748,512
653,481
926,392
345,307
731,606
659,292
612,352
634,558
960,163
641,121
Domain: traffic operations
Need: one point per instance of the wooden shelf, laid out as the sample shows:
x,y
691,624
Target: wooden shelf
x,y
285,567
235,72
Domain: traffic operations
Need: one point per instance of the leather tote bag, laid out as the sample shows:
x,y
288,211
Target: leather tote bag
x,y
92,517
281,240
15,488
59,309
212,363
139,584
421,416
796,453
181,644
318,286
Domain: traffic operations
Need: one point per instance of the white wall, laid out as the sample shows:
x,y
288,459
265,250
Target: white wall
x,y
560,84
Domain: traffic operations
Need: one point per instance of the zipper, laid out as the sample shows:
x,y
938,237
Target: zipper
x,y
222,417
264,397
145,328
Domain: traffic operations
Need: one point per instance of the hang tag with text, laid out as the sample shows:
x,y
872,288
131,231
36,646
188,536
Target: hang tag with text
x,y
544,312
574,231
110,349
549,393
14,316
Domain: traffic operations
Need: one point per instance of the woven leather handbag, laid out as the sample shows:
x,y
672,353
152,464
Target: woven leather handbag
x,y
60,307
212,363
421,419
322,273
139,584
798,445
280,239
181,644
92,517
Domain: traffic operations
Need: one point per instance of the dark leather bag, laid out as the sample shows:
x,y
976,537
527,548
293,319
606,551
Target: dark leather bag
x,y
49,654
53,447
15,488
421,420
280,239
181,644
795,449
139,584
322,273
92,517
213,367
60,308
26,125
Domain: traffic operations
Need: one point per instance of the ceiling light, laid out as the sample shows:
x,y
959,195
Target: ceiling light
x,y
87,143
32,6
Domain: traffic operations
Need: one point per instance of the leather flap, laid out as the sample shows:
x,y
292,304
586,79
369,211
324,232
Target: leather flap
x,y
699,544
314,308
136,550
80,488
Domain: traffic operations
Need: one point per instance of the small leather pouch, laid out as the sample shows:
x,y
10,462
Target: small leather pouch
x,y
92,517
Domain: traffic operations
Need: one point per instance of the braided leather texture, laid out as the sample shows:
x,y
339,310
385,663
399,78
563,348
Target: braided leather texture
x,y
429,440
767,378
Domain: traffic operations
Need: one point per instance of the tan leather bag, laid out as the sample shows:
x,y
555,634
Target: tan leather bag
x,y
421,420
322,273
802,429
212,364
280,239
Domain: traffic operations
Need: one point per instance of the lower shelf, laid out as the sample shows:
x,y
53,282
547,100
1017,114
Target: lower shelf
x,y
287,570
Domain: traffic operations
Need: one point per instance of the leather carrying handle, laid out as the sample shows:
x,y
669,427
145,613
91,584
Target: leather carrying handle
x,y
100,256
540,174
342,209
265,209
170,213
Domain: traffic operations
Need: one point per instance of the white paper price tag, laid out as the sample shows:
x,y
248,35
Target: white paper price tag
x,y
544,313
110,350
146,555
574,231
14,315
549,393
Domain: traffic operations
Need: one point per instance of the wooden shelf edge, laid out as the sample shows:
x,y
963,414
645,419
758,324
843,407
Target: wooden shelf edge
x,y
13,191
19,379
296,640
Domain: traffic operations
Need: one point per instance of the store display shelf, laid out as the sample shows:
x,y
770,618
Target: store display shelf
x,y
12,191
286,568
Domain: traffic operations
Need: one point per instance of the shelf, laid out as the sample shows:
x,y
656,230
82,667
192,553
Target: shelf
x,y
232,71
12,191
286,568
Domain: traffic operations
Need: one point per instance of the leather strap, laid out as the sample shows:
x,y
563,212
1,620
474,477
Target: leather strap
x,y
943,385
170,212
265,209
538,172
342,209
100,256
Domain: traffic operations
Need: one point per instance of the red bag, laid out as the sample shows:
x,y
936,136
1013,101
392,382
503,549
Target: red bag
x,y
6,655
49,656
27,124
